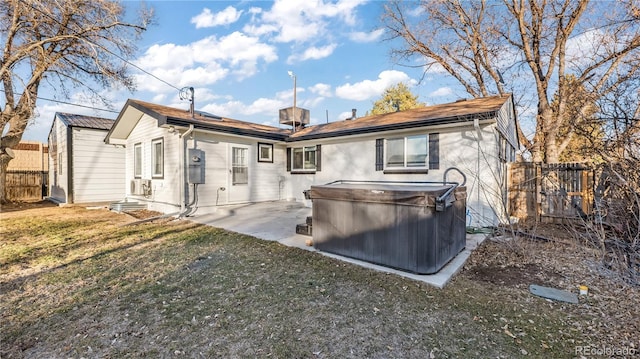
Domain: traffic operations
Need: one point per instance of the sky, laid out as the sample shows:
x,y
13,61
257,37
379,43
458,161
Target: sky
x,y
237,55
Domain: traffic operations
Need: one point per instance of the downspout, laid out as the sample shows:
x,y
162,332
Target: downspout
x,y
476,125
183,176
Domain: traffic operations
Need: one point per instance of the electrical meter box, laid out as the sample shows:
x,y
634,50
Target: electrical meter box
x,y
196,166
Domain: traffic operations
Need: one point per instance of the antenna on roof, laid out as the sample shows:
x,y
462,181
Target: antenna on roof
x,y
186,93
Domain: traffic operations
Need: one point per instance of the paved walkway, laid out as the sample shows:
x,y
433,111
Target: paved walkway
x,y
276,221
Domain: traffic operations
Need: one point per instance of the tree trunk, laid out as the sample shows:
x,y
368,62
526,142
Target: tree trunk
x,y
4,163
550,128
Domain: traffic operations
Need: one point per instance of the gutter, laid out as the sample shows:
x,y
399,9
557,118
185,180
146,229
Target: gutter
x,y
183,176
396,126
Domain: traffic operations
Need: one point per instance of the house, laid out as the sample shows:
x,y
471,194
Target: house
x,y
82,168
177,160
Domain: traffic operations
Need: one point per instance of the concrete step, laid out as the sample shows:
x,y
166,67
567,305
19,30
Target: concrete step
x,y
303,229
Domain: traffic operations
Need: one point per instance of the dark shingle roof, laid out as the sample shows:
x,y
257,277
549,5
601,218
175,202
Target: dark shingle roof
x,y
429,115
455,112
202,120
73,120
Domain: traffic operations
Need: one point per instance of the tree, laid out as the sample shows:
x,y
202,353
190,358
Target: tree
x,y
535,43
583,133
63,44
396,98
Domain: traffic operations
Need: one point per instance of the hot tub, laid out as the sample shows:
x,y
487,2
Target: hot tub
x,y
415,227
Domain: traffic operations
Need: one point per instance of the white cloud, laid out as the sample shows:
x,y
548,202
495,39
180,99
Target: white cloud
x,y
441,92
366,36
208,19
435,68
321,89
368,89
584,48
203,62
299,21
158,98
313,53
344,115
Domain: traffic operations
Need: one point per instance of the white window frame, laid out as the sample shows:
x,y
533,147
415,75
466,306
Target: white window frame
x,y
405,165
306,166
155,173
137,162
239,166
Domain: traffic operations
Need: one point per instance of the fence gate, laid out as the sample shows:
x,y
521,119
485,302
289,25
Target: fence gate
x,y
551,192
26,185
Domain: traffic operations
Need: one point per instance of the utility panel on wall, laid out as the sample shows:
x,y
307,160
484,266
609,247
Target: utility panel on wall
x,y
196,166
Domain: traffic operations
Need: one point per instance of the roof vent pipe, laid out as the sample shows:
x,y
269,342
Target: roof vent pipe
x,y
353,113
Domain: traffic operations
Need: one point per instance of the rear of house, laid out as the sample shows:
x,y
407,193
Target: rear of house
x,y
82,168
172,165
476,136
177,161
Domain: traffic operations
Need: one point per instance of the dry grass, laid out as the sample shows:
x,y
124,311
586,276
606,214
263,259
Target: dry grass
x,y
76,283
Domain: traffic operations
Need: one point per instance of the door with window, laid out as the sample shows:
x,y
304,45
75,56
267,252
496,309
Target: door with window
x,y
239,174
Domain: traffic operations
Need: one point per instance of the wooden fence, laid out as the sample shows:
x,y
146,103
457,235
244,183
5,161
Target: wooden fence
x,y
550,192
26,185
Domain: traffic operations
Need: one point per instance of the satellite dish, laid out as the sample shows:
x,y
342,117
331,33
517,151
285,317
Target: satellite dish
x,y
10,152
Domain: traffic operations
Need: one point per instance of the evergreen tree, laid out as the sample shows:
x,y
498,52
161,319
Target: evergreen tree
x,y
396,98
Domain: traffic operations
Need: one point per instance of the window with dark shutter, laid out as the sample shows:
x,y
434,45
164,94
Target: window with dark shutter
x,y
379,154
288,159
318,158
434,151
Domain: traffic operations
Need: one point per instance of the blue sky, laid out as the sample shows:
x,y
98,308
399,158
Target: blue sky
x,y
237,56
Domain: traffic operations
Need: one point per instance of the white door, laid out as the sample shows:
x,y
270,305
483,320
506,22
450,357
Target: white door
x,y
239,174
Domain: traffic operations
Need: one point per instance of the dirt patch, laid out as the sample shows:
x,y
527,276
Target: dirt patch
x,y
516,276
21,206
143,214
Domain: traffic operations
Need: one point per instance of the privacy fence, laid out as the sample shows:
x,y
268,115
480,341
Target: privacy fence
x,y
26,185
551,192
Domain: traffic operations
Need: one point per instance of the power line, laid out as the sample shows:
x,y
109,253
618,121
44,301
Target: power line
x,y
70,103
109,51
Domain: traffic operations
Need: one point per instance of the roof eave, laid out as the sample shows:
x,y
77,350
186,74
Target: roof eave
x,y
395,126
225,129
124,113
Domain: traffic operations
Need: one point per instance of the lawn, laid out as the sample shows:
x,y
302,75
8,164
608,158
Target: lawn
x,y
80,283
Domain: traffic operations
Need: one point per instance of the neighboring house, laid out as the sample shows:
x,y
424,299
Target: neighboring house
x,y
174,158
82,168
30,156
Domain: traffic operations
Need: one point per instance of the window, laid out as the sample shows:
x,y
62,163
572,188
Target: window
x,y
305,158
407,152
410,154
157,158
137,160
60,163
265,152
239,169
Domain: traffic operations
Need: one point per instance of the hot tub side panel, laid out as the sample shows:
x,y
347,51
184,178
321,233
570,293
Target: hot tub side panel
x,y
380,233
445,238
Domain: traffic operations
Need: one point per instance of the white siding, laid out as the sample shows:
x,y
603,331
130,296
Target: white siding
x,y
264,177
98,168
353,158
506,123
58,187
350,158
165,192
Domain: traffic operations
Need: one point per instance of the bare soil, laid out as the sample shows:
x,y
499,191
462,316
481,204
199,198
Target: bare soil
x,y
77,283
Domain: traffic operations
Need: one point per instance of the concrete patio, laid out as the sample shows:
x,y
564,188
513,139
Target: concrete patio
x,y
276,221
